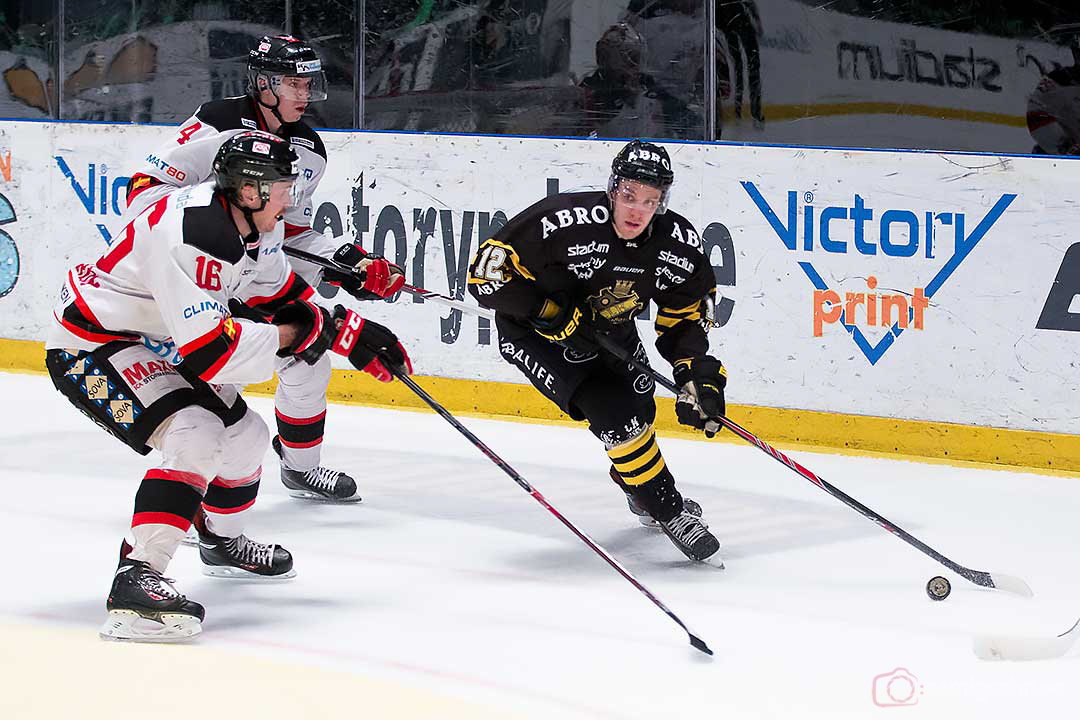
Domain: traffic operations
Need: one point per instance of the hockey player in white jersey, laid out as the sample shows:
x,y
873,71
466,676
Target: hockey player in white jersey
x,y
284,76
168,280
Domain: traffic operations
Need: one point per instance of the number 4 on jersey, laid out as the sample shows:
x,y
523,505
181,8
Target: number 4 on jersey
x,y
186,133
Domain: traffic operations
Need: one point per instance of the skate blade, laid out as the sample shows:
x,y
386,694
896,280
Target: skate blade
x,y
235,573
190,540
714,560
648,522
130,626
315,497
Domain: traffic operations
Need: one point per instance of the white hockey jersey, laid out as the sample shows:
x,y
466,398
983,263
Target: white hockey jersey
x,y
187,158
168,278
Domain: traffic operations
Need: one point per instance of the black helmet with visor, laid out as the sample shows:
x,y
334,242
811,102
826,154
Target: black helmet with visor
x,y
646,163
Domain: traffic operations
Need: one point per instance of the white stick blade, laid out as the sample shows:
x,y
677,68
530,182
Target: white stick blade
x,y
1012,584
1004,647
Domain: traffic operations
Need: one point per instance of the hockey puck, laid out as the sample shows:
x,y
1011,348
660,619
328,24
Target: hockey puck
x,y
938,588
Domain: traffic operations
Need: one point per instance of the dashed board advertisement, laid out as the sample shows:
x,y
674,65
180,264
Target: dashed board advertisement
x,y
920,286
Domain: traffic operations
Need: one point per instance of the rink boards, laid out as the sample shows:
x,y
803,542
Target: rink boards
x,y
913,302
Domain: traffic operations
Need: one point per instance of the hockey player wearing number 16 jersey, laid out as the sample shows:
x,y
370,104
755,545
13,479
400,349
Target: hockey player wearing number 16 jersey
x,y
578,264
284,76
169,278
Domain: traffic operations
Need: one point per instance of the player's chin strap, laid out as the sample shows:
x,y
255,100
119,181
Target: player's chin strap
x,y
248,213
272,108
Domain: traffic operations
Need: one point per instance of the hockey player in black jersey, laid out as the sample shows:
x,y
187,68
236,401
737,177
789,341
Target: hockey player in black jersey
x,y
284,76
578,264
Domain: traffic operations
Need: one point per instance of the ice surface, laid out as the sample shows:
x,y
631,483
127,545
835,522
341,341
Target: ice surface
x,y
448,579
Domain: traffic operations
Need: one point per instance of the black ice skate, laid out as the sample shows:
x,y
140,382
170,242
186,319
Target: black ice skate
x,y
693,538
643,516
241,557
145,607
318,484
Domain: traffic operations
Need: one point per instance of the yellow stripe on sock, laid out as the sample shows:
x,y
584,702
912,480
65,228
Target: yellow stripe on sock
x,y
637,463
647,436
649,474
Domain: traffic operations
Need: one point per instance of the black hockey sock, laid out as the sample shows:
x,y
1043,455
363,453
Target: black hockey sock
x,y
226,500
646,477
165,499
300,433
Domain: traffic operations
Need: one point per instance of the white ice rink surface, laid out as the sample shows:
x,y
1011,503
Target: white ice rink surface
x,y
450,582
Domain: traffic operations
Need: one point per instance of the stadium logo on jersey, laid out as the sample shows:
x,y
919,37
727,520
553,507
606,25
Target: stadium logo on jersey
x,y
592,247
910,245
617,304
248,122
302,142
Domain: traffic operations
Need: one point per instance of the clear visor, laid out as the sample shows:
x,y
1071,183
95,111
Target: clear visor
x,y
299,88
637,195
288,192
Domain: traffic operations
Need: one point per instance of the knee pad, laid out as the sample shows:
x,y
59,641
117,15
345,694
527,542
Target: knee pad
x,y
302,381
191,441
243,447
616,413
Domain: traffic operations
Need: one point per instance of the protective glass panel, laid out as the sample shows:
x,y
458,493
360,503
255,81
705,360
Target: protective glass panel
x,y
536,67
27,59
157,61
981,75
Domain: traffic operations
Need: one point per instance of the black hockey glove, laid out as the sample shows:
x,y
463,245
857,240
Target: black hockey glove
x,y
569,326
315,330
371,278
369,346
701,398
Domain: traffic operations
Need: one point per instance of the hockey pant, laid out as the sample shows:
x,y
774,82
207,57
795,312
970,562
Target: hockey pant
x,y
617,401
211,444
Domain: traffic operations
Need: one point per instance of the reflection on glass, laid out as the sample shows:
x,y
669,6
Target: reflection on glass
x,y
544,67
980,75
140,61
27,40
895,73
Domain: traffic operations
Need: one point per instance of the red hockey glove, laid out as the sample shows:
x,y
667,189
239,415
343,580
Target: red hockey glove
x,y
371,277
369,346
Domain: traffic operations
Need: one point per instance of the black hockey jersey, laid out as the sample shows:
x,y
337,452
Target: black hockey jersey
x,y
565,248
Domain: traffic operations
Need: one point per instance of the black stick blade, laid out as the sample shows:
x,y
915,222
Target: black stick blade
x,y
699,644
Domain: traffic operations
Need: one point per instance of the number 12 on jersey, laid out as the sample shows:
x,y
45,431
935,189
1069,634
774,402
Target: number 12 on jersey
x,y
489,266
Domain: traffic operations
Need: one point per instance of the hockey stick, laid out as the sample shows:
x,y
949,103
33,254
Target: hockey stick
x,y
1007,583
695,641
998,581
1004,647
418,292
